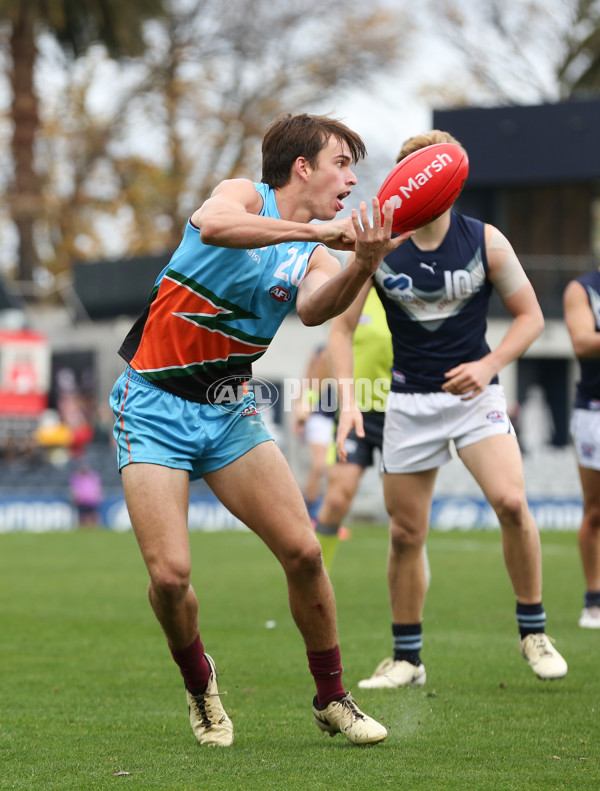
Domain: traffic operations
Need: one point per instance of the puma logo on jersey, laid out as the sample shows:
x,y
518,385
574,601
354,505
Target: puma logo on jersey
x,y
429,267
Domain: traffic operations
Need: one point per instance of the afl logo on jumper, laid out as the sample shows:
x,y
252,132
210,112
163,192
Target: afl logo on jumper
x,y
587,450
280,294
228,393
495,416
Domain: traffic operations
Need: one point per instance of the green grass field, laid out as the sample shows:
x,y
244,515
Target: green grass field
x,y
88,688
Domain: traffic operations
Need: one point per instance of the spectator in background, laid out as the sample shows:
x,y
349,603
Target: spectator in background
x,y
372,355
54,437
582,316
313,422
72,412
86,493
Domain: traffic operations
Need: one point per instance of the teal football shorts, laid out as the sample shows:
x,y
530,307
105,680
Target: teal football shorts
x,y
157,427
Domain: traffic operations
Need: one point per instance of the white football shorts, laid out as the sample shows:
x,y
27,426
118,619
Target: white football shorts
x,y
585,433
318,429
421,427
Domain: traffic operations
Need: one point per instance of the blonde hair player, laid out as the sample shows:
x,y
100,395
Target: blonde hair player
x,y
445,391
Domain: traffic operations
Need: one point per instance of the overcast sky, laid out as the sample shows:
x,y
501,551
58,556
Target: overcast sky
x,y
390,111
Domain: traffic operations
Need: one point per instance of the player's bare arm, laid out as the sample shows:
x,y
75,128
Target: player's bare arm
x,y
341,366
580,321
321,295
517,294
231,218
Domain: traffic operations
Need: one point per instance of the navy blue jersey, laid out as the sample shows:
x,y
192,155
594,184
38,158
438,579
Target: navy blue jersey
x,y
587,395
436,302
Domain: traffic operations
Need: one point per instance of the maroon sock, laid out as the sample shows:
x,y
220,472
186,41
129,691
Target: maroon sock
x,y
193,666
326,667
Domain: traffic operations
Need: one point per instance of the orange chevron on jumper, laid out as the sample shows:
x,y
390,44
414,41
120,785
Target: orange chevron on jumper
x,y
190,327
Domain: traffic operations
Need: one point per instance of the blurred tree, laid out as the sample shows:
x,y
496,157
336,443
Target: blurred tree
x,y
525,51
579,72
219,79
75,25
207,85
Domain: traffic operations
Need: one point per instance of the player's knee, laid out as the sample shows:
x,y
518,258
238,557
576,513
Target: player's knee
x,y
593,517
337,503
405,537
170,581
304,560
511,509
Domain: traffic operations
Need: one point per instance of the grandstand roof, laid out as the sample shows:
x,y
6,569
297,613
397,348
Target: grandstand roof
x,y
518,145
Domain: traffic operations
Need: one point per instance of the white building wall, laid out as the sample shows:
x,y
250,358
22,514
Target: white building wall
x,y
287,358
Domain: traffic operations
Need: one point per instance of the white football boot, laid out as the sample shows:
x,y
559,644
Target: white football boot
x,y
590,618
208,719
343,716
393,673
545,661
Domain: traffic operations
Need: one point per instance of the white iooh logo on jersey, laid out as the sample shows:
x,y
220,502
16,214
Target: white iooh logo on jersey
x,y
458,284
433,307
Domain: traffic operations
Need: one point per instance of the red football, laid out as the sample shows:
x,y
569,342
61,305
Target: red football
x,y
424,185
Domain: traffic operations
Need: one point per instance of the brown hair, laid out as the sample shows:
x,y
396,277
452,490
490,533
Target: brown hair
x,y
426,139
291,136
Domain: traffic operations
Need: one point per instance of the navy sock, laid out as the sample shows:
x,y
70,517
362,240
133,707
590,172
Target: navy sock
x,y
592,599
408,642
531,619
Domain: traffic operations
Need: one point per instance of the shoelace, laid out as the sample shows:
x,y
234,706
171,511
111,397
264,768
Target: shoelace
x,y
350,704
383,667
201,706
541,644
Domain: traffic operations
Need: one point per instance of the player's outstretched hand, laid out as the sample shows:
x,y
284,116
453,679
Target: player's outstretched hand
x,y
374,239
